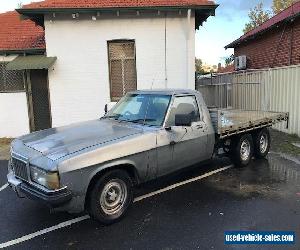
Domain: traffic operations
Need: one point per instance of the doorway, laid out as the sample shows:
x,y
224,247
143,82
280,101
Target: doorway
x,y
38,99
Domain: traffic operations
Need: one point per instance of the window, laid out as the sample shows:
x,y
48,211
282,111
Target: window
x,y
10,80
185,105
141,108
122,67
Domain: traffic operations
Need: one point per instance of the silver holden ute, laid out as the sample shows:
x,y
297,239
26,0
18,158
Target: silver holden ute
x,y
93,166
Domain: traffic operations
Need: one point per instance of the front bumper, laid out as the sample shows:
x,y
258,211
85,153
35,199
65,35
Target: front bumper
x,y
53,199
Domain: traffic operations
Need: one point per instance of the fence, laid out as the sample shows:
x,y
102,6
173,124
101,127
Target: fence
x,y
275,89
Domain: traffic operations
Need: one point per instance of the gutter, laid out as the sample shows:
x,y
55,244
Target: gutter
x,y
23,52
37,14
89,10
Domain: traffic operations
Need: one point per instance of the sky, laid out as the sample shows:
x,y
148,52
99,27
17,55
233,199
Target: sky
x,y
7,5
225,27
213,36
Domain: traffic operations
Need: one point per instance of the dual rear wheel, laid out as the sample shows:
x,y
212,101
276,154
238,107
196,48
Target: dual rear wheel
x,y
249,145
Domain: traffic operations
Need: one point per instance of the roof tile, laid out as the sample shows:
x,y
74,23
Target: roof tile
x,y
16,34
115,3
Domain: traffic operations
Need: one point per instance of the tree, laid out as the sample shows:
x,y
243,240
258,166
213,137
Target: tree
x,y
280,5
20,5
229,60
199,64
257,16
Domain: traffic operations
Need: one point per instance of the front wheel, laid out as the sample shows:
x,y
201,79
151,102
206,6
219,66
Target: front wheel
x,y
242,150
111,197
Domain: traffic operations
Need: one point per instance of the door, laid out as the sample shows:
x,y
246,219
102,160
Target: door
x,y
187,145
38,100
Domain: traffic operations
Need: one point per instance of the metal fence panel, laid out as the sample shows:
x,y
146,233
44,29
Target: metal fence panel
x,y
275,89
215,95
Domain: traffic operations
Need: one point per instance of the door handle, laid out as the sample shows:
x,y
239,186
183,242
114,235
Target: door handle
x,y
200,126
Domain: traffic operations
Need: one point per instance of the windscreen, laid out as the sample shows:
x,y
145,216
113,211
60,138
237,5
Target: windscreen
x,y
147,109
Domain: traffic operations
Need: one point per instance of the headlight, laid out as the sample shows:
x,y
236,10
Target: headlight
x,y
46,179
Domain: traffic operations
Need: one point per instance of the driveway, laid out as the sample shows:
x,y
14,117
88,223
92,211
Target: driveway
x,y
189,215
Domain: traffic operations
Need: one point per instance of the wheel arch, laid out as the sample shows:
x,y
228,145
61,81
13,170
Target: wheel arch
x,y
126,166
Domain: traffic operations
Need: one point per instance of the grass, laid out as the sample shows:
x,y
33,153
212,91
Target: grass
x,y
4,148
5,141
283,143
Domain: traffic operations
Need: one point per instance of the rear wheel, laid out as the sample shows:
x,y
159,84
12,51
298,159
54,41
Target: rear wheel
x,y
262,142
242,150
111,197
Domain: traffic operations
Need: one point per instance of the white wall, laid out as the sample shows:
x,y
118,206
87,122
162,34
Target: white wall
x,y
79,80
14,119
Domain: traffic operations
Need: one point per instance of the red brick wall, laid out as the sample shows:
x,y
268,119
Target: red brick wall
x,y
272,49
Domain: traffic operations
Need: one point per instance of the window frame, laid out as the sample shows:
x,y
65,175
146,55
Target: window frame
x,y
171,105
5,90
112,98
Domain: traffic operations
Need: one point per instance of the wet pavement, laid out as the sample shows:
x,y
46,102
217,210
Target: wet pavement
x,y
263,197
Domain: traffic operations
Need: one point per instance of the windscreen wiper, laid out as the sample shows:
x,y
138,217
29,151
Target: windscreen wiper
x,y
111,117
143,120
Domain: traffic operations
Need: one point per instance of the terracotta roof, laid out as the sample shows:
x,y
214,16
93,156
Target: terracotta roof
x,y
288,13
227,69
17,35
116,3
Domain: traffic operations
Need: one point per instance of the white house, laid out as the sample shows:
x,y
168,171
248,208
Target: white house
x,y
103,49
17,38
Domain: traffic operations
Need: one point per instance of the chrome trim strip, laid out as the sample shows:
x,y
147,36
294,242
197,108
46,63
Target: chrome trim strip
x,y
48,191
25,160
19,157
168,112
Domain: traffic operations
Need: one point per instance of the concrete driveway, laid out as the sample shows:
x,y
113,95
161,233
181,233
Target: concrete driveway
x,y
264,196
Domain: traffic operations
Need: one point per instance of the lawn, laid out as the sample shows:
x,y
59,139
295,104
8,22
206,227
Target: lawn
x,y
4,148
283,143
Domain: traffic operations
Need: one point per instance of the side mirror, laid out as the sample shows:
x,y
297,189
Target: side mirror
x,y
109,106
183,120
105,109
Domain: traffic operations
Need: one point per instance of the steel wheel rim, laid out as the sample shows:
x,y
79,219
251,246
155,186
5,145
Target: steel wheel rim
x,y
245,150
113,197
263,143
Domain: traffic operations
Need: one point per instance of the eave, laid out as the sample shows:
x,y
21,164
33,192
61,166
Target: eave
x,y
22,51
239,41
37,15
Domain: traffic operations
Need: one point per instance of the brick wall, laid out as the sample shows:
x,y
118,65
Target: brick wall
x,y
275,48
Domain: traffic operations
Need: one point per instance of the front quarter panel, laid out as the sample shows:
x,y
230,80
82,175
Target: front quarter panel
x,y
139,151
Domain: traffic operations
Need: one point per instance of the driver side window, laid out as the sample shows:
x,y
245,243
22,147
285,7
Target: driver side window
x,y
184,105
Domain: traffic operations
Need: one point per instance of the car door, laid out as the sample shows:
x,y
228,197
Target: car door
x,y
187,144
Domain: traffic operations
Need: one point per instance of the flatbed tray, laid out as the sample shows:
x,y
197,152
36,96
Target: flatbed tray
x,y
228,122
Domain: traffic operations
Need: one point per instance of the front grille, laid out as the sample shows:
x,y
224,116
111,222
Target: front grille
x,y
19,168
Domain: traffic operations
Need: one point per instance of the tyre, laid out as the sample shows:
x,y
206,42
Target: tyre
x,y
111,197
262,142
242,150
